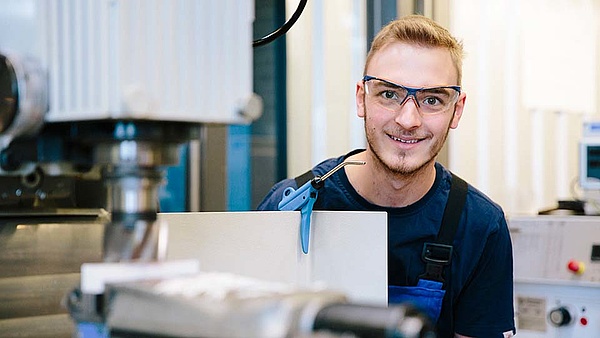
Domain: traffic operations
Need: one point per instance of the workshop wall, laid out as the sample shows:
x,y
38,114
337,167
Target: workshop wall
x,y
326,50
531,76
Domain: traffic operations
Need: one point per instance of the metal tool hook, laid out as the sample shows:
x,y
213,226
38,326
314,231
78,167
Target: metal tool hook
x,y
320,179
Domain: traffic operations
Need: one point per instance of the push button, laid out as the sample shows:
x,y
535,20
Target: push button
x,y
576,267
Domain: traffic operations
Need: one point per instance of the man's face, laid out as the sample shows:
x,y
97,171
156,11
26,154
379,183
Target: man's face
x,y
405,140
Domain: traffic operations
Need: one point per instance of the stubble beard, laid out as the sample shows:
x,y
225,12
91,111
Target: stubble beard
x,y
403,168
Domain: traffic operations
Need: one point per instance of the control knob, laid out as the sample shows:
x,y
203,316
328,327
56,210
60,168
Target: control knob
x,y
560,316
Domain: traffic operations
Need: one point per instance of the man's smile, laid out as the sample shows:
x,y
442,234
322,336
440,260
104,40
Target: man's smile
x,y
404,140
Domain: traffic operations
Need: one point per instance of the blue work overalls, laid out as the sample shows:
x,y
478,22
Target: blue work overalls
x,y
428,294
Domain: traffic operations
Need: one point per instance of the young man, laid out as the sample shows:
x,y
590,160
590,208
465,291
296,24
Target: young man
x,y
409,98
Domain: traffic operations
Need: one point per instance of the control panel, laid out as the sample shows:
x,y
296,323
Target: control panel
x,y
557,276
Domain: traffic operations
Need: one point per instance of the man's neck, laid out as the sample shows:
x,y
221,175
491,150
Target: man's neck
x,y
384,188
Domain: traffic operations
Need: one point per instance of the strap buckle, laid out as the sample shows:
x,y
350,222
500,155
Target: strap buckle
x,y
436,256
437,253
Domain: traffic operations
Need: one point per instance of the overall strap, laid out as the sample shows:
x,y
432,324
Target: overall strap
x,y
439,253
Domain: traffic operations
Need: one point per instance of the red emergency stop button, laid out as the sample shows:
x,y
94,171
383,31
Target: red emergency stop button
x,y
576,267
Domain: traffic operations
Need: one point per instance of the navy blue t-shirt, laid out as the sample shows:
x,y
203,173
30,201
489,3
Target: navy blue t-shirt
x,y
479,281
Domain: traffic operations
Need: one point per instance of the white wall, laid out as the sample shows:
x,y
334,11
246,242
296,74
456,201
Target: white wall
x,y
531,77
326,50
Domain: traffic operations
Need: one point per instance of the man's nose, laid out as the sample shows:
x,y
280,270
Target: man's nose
x,y
408,115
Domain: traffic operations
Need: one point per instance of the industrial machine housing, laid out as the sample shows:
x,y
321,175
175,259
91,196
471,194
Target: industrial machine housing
x,y
557,275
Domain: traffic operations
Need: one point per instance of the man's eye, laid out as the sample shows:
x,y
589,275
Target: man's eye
x,y
432,101
389,94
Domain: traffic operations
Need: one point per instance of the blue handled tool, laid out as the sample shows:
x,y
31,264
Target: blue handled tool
x,y
304,198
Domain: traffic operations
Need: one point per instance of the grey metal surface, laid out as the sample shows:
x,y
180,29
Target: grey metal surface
x,y
54,326
40,260
48,245
34,295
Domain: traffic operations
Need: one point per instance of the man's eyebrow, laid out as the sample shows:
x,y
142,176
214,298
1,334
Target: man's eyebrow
x,y
441,90
389,84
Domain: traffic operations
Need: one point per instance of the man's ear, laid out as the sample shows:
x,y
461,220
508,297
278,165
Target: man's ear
x,y
458,110
360,99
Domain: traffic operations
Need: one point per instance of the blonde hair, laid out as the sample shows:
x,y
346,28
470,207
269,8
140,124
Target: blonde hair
x,y
419,30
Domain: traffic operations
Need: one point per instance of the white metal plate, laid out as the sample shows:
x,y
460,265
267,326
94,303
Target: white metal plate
x,y
347,250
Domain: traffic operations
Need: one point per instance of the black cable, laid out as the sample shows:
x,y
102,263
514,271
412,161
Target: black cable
x,y
283,29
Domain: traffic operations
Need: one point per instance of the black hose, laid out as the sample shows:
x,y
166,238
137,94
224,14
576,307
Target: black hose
x,y
283,29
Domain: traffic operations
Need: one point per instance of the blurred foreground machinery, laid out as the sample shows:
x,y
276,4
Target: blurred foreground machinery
x,y
227,305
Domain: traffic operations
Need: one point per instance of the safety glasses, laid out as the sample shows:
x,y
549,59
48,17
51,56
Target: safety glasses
x,y
392,96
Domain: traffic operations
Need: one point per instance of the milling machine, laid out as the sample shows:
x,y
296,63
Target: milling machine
x,y
96,98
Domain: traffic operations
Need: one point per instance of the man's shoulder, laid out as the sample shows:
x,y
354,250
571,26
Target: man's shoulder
x,y
271,200
481,205
478,204
478,197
